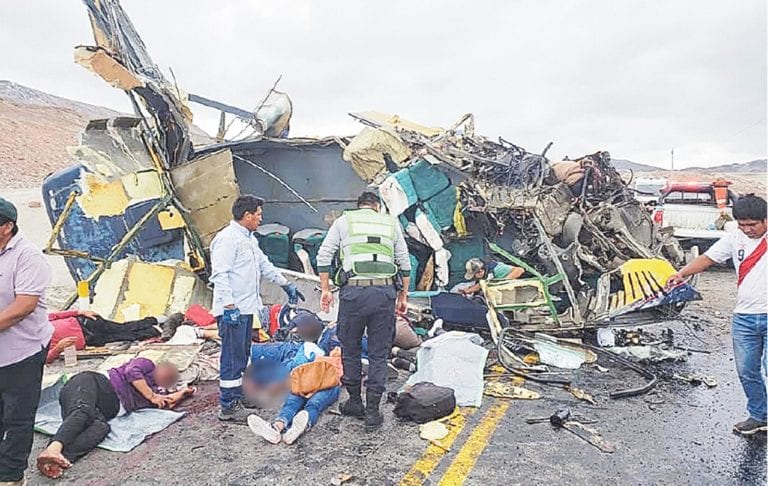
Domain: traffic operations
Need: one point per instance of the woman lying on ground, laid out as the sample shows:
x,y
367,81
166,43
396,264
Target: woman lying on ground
x,y
90,399
87,328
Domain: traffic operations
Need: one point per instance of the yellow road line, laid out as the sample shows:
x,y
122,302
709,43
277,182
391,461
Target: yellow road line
x,y
428,461
474,446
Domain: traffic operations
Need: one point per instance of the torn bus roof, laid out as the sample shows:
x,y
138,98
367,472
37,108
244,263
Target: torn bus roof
x,y
141,192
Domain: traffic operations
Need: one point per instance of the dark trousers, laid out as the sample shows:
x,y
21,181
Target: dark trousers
x,y
19,396
99,332
88,402
235,350
371,310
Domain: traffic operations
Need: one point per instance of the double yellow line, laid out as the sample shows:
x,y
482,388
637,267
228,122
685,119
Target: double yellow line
x,y
467,456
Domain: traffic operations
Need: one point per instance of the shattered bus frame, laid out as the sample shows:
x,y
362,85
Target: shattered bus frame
x,y
135,215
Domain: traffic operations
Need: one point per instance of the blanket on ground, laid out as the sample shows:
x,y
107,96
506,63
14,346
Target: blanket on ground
x,y
127,431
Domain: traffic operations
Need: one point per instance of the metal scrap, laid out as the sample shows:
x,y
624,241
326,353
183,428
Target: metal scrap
x,y
505,390
581,394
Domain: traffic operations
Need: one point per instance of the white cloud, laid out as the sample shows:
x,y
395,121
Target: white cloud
x,y
634,77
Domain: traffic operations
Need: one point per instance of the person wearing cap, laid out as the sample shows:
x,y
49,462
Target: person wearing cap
x,y
478,270
375,266
25,333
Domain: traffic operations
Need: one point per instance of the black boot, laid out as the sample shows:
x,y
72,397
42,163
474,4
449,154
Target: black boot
x,y
373,417
353,406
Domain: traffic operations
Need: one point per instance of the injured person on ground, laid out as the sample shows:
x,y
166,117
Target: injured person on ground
x,y
90,399
87,328
306,373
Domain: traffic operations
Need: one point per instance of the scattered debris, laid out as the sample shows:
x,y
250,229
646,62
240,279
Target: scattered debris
x,y
341,479
581,394
696,379
506,390
589,435
561,355
558,418
653,354
433,431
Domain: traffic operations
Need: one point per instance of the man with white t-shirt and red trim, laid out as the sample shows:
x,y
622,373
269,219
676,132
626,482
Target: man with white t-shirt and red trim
x,y
747,248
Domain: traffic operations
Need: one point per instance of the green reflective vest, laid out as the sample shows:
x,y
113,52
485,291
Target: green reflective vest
x,y
369,249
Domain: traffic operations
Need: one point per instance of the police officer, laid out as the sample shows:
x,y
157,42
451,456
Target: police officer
x,y
375,266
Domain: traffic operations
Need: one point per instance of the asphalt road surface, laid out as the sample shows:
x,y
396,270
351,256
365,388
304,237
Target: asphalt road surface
x,y
677,434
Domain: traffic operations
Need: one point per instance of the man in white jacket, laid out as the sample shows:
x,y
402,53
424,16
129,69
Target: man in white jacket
x,y
238,264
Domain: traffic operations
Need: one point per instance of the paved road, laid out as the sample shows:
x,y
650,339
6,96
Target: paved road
x,y
679,434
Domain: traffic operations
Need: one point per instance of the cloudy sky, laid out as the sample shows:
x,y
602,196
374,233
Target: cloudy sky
x,y
637,78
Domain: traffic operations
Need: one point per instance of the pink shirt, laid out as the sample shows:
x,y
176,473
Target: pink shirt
x,y
65,324
23,271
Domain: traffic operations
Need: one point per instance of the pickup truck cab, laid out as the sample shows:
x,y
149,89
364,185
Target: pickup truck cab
x,y
647,191
699,213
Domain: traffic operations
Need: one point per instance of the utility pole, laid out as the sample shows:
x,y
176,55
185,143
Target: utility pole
x,y
673,158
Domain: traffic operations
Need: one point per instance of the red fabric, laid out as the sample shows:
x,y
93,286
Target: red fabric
x,y
64,325
199,315
748,264
274,312
55,316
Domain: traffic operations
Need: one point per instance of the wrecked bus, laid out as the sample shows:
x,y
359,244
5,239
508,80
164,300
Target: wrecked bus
x,y
133,217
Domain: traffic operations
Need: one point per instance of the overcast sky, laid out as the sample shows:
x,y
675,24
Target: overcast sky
x,y
637,78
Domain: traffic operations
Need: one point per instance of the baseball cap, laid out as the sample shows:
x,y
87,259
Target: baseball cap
x,y
473,266
8,210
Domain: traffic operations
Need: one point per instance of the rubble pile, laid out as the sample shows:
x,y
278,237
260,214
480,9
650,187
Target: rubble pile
x,y
515,205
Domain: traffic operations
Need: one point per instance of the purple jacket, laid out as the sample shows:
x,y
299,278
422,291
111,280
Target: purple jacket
x,y
122,376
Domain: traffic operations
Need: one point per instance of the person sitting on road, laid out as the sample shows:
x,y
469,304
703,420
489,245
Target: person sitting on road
x,y
478,270
302,408
90,399
86,328
308,395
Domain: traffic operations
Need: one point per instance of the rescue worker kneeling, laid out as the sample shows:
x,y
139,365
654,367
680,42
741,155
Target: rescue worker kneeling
x,y
374,282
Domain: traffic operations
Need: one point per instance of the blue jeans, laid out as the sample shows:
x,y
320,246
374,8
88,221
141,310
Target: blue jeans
x,y
314,405
750,345
235,349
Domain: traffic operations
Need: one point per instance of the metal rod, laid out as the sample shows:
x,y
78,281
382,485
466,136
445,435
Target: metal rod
x,y
280,181
60,222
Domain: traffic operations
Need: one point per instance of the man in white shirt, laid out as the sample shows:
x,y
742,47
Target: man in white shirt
x,y
747,248
238,265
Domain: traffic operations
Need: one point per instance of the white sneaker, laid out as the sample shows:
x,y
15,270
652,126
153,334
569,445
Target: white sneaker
x,y
263,429
436,329
298,426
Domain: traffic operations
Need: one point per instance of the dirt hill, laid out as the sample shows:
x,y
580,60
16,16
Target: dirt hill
x,y
37,127
746,176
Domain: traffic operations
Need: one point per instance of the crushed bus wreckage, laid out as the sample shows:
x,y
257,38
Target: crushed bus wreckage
x,y
135,215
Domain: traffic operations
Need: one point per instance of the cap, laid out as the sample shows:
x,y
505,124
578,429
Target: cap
x,y
8,210
473,266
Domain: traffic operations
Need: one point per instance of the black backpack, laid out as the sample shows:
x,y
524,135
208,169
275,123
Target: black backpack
x,y
424,402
